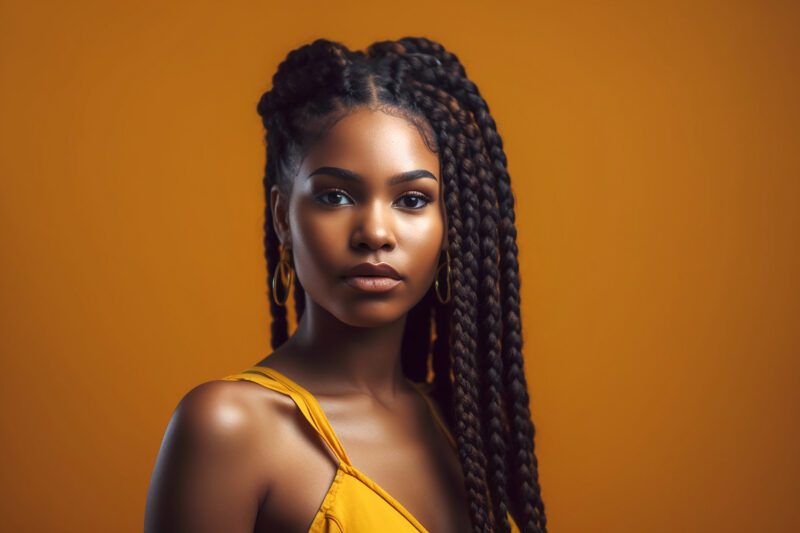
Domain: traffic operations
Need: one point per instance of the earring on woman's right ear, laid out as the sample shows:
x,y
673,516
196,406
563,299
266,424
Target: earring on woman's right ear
x,y
436,282
286,272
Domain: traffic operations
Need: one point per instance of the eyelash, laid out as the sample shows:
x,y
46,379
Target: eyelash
x,y
340,191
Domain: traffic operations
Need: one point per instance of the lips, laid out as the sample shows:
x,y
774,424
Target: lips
x,y
384,270
372,277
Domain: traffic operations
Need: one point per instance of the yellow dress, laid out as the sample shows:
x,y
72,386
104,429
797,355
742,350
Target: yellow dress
x,y
354,503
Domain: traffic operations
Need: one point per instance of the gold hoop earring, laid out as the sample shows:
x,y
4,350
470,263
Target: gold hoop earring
x,y
287,276
436,282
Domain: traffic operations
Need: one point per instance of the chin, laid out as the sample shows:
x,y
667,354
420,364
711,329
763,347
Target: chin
x,y
366,314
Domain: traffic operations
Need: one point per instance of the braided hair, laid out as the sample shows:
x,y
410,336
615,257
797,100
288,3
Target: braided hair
x,y
475,359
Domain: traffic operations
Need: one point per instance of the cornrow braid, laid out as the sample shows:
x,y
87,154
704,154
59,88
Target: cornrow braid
x,y
476,359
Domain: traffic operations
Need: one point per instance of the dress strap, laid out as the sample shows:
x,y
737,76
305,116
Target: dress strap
x,y
308,405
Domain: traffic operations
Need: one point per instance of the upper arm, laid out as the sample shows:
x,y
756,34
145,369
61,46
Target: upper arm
x,y
205,477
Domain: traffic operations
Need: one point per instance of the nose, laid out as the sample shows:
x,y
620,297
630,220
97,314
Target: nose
x,y
373,228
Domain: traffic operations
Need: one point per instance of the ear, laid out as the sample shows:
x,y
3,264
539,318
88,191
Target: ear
x,y
279,206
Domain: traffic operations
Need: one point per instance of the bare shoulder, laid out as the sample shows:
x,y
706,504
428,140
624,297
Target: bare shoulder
x,y
222,408
229,416
215,466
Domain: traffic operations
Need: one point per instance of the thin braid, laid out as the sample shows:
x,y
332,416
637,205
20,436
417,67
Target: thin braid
x,y
466,400
489,317
525,464
497,431
489,320
464,405
466,366
466,394
279,328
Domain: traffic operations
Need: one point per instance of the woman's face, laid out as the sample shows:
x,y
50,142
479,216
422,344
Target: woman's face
x,y
368,192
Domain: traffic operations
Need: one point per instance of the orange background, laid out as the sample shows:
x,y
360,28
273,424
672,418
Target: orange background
x,y
653,149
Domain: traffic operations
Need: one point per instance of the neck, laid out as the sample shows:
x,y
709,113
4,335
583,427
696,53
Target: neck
x,y
344,357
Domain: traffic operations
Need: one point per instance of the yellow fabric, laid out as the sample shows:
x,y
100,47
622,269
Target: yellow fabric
x,y
353,503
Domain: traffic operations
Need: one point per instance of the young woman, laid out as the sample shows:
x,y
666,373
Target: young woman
x,y
399,403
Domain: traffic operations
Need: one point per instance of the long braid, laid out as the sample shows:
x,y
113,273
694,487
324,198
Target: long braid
x,y
524,461
467,421
489,323
279,329
463,244
316,85
472,364
525,465
489,319
497,430
465,364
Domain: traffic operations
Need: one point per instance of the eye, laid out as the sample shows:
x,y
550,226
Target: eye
x,y
414,200
332,197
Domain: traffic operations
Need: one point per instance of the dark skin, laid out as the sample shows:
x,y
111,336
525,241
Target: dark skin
x,y
238,457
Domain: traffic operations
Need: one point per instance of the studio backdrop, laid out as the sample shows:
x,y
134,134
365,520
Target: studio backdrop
x,y
653,151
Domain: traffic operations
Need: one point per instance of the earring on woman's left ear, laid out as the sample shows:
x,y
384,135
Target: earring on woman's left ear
x,y
447,298
286,272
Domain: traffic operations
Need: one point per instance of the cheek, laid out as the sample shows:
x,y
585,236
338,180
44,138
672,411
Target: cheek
x,y
318,239
421,240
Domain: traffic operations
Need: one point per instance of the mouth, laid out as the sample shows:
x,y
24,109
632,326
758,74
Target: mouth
x,y
373,277
372,283
374,269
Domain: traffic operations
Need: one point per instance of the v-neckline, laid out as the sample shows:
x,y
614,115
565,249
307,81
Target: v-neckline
x,y
344,462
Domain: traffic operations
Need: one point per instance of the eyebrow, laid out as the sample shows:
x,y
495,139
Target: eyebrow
x,y
352,176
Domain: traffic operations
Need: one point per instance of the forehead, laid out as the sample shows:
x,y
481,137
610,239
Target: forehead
x,y
372,143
